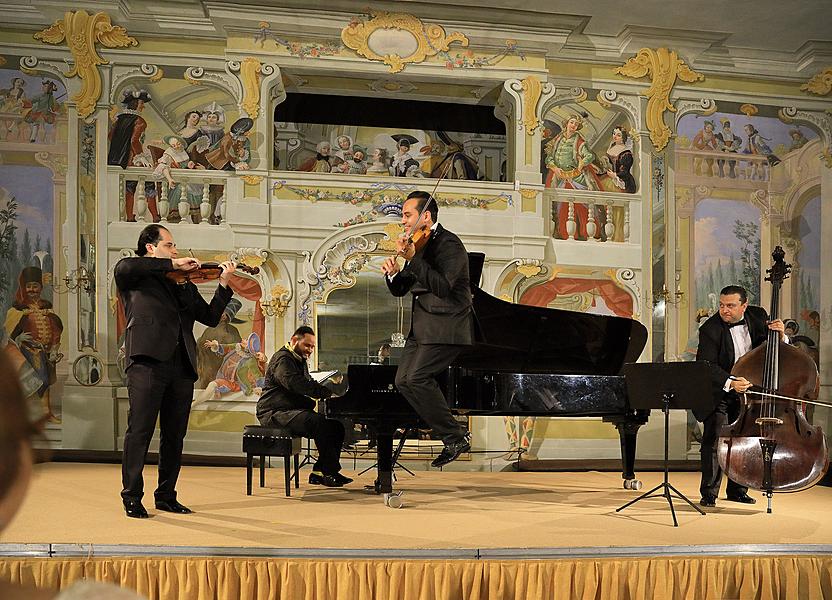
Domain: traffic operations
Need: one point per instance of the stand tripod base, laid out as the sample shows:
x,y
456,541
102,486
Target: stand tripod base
x,y
666,488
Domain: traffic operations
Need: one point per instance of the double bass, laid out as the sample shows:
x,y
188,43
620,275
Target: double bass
x,y
771,446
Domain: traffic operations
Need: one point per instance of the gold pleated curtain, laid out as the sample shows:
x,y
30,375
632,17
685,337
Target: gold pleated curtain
x,y
668,578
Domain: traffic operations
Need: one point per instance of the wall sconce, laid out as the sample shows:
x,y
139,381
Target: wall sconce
x,y
275,307
77,280
668,297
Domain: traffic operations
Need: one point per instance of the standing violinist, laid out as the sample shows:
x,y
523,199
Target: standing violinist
x,y
723,339
442,318
161,359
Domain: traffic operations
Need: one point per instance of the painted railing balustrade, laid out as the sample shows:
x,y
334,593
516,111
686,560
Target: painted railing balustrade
x,y
592,216
192,196
746,170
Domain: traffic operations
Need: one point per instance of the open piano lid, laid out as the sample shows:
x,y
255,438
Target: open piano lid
x,y
532,339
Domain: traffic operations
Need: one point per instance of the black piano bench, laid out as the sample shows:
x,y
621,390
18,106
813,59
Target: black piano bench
x,y
271,441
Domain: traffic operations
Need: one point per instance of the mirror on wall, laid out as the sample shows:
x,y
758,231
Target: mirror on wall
x,y
87,370
352,325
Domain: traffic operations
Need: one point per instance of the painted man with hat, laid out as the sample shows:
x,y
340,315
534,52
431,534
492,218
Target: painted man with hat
x,y
36,331
44,109
233,151
209,362
356,165
402,159
126,136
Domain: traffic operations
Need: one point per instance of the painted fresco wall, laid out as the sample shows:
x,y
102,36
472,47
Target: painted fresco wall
x,y
33,135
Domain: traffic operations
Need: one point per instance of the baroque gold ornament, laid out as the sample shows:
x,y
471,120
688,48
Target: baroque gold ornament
x,y
532,89
386,36
664,66
820,84
82,31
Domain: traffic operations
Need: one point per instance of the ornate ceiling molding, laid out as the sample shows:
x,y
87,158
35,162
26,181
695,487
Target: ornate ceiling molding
x,y
82,31
665,67
397,33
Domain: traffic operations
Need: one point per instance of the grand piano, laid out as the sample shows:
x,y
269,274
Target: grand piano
x,y
532,361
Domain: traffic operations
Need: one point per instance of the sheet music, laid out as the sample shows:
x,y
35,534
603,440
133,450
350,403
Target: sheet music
x,y
321,376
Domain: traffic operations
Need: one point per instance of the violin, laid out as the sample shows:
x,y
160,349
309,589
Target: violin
x,y
771,446
420,234
207,272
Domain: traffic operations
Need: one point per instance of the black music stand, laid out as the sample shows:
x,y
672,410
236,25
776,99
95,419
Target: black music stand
x,y
678,385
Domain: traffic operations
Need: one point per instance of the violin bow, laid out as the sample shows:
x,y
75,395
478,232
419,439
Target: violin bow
x,y
433,193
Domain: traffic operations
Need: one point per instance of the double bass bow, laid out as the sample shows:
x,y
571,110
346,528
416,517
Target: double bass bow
x,y
771,446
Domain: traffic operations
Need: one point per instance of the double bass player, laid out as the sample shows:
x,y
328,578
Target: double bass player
x,y
723,339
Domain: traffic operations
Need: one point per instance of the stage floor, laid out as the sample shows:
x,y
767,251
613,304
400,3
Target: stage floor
x,y
523,513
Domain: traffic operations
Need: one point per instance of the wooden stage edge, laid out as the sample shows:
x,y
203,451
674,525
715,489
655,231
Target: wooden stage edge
x,y
127,550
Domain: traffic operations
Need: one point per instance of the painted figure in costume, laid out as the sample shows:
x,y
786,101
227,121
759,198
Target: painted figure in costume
x,y
403,159
13,97
728,141
233,152
127,131
705,140
380,164
175,157
321,162
620,157
243,367
356,165
213,127
208,361
798,139
126,150
569,161
342,154
756,144
44,110
190,130
461,165
547,134
35,330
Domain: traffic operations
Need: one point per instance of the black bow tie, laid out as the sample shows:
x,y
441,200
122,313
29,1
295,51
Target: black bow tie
x,y
737,324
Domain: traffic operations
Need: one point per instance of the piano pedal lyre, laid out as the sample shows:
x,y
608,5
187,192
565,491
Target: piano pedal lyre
x,y
393,499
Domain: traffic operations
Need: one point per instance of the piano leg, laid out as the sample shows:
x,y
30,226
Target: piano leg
x,y
627,432
384,459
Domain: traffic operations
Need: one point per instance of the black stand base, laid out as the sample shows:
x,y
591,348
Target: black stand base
x,y
665,487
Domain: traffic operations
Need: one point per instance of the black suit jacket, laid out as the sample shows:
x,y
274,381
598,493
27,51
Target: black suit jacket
x,y
288,389
157,309
440,283
717,347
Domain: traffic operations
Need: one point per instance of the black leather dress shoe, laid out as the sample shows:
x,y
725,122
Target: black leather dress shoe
x,y
173,506
342,479
452,451
742,498
134,509
327,480
708,501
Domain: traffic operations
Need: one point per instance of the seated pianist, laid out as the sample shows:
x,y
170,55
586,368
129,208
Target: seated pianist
x,y
287,401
